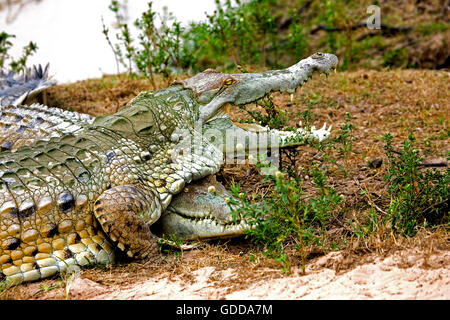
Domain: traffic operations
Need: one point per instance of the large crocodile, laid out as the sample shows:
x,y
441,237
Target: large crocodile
x,y
75,197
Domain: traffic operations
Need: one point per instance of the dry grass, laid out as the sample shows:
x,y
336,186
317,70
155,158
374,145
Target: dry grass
x,y
379,102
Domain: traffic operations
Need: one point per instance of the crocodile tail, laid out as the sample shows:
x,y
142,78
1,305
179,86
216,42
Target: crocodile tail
x,y
21,88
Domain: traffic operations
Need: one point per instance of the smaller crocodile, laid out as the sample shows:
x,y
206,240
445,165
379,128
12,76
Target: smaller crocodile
x,y
199,214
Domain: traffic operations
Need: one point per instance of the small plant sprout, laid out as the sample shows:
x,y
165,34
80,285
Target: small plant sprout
x,y
279,175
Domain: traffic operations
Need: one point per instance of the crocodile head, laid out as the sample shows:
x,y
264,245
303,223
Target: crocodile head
x,y
213,90
205,96
199,214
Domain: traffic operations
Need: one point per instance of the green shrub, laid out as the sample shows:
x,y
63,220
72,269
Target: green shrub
x,y
245,34
345,137
6,45
273,116
288,215
395,58
418,197
159,50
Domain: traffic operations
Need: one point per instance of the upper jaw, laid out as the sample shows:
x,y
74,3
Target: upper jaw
x,y
251,87
323,62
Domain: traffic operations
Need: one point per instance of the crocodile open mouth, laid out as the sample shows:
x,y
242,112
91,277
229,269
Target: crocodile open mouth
x,y
224,110
213,89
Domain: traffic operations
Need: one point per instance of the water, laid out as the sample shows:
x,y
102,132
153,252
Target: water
x,y
69,33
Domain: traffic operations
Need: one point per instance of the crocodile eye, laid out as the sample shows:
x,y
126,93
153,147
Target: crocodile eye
x,y
228,82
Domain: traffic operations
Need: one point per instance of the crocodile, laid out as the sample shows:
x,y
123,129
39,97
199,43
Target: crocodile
x,y
77,196
195,213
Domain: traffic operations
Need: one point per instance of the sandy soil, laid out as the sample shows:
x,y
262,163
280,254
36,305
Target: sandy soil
x,y
405,274
380,279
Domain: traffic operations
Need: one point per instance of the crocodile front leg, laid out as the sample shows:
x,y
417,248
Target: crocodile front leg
x,y
125,213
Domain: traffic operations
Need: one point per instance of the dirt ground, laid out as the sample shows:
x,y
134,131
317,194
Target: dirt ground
x,y
409,273
382,278
381,266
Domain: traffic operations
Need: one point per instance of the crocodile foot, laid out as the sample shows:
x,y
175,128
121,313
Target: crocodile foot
x,y
125,212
